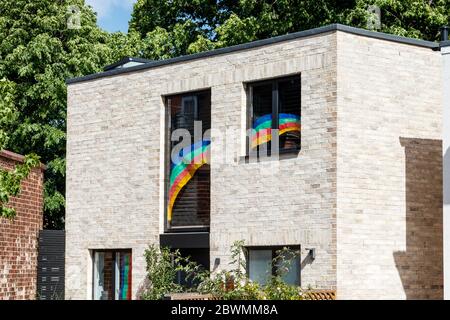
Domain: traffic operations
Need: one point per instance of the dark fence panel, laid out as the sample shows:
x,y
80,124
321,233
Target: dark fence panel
x,y
50,275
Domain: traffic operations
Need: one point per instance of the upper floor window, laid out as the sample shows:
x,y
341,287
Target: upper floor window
x,y
188,171
274,115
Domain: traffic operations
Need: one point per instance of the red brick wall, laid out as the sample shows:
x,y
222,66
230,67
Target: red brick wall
x,y
19,237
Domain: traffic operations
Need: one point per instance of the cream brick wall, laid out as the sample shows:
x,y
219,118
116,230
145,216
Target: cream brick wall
x,y
389,170
115,149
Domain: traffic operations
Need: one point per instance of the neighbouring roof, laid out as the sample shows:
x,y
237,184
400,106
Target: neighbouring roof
x,y
16,157
113,70
126,62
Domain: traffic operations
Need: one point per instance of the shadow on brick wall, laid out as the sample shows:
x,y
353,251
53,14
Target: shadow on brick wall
x,y
421,266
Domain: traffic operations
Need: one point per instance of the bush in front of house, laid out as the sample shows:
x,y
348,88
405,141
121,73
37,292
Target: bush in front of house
x,y
165,265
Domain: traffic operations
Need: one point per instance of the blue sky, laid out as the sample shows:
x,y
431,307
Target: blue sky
x,y
112,15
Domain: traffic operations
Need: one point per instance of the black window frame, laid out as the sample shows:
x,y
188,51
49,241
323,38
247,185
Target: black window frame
x,y
113,251
275,109
274,250
186,95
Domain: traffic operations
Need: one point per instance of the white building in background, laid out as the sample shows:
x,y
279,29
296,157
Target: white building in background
x,y
445,50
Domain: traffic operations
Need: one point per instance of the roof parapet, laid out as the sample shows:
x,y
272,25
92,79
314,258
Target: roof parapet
x,y
260,43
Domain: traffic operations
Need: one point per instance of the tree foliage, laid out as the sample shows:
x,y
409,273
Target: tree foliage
x,y
38,52
419,19
178,27
10,180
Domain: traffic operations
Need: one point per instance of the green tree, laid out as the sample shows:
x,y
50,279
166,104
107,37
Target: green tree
x,y
39,50
10,179
419,19
178,27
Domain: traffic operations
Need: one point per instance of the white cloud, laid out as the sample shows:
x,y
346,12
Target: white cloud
x,y
105,7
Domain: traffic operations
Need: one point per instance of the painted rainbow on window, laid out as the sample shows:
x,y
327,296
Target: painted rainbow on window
x,y
263,127
190,160
125,277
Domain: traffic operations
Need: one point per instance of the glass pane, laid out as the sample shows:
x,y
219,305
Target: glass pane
x,y
123,260
201,258
112,275
289,113
183,112
292,276
260,265
189,185
103,277
261,117
98,275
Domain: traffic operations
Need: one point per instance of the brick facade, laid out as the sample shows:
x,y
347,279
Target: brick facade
x,y
115,164
19,237
389,168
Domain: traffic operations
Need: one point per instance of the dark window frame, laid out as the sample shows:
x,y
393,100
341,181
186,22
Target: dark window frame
x,y
275,108
202,266
274,250
167,153
114,251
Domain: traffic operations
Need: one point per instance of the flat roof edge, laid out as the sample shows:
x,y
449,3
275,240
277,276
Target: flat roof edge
x,y
260,43
388,37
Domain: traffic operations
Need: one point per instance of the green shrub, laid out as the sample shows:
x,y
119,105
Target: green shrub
x,y
163,266
235,284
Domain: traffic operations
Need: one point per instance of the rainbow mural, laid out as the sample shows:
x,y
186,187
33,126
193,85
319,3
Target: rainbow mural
x,y
190,160
263,127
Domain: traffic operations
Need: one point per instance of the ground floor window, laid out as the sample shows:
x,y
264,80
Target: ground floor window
x,y
112,274
262,262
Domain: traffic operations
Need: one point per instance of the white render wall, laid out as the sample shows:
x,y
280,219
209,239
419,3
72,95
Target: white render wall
x,y
389,170
115,153
446,156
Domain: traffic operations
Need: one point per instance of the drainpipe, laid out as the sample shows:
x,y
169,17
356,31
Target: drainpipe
x,y
445,51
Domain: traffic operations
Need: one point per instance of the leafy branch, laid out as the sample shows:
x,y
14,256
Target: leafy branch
x,y
10,183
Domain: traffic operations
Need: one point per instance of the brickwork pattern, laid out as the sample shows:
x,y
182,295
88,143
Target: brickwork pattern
x,y
389,170
19,237
115,180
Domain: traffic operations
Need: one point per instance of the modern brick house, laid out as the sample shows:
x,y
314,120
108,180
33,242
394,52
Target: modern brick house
x,y
19,237
357,186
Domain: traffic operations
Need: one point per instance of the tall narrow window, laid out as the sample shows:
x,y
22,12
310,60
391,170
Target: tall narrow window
x,y
275,108
188,187
112,275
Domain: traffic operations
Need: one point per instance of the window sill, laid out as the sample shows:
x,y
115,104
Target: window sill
x,y
283,155
187,229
